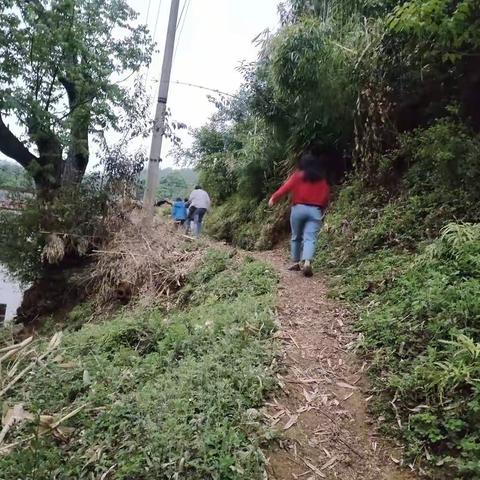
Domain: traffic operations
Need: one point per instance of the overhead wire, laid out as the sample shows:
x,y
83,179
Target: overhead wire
x,y
137,70
154,38
181,14
148,12
183,19
156,20
201,87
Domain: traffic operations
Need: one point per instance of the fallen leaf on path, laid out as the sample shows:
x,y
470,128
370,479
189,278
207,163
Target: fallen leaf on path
x,y
305,408
302,475
309,396
67,365
279,414
63,433
291,422
313,468
14,349
329,463
107,473
14,415
346,385
419,408
395,460
55,341
293,340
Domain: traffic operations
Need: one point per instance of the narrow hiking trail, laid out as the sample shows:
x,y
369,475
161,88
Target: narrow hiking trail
x,y
322,406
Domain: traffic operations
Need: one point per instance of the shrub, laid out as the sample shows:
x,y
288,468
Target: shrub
x,y
414,280
74,219
247,224
424,335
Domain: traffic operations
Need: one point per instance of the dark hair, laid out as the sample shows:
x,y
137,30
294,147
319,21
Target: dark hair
x,y
198,187
312,166
179,199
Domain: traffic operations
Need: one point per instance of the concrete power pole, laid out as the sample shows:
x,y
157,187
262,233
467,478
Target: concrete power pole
x,y
159,122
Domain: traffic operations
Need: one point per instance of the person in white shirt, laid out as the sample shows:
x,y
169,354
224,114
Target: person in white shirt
x,y
199,201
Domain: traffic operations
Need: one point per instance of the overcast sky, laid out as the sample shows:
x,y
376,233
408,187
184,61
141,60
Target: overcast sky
x,y
217,35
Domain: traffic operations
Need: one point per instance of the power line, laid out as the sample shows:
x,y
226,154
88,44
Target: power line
x,y
181,13
201,87
154,38
148,12
156,20
184,19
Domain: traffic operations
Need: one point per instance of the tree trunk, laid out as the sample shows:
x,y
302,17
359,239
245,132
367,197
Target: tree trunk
x,y
78,153
46,170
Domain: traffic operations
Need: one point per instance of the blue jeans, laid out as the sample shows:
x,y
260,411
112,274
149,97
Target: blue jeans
x,y
305,222
198,219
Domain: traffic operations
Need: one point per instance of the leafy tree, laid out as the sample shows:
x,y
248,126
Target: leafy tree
x,y
172,186
61,59
292,11
444,27
13,176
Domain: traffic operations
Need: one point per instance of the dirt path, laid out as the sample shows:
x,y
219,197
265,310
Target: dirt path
x,y
322,407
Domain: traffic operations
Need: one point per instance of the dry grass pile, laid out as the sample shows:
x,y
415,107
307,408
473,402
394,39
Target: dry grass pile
x,y
141,263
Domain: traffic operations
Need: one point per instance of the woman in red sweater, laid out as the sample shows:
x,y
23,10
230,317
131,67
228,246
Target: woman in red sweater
x,y
310,194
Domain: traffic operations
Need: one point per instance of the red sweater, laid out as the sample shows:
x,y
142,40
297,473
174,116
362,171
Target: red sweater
x,y
303,192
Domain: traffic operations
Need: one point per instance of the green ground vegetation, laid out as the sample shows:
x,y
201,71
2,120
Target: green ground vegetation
x,y
410,266
391,89
165,394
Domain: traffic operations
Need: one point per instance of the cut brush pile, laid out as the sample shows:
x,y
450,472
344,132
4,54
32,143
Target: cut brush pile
x,y
141,262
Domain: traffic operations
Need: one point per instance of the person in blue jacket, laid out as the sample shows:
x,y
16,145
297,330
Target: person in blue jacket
x,y
179,211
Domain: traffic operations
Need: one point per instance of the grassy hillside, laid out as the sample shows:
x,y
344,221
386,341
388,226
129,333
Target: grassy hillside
x,y
408,259
390,89
155,394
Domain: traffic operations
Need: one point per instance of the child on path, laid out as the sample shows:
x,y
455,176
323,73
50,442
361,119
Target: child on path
x,y
179,212
310,193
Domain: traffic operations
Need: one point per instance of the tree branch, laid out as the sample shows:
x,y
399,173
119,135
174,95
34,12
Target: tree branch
x,y
70,89
12,147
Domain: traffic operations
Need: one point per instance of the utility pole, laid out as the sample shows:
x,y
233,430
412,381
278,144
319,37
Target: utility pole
x,y
159,122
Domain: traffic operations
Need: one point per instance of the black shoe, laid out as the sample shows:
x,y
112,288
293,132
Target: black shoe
x,y
307,268
294,268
